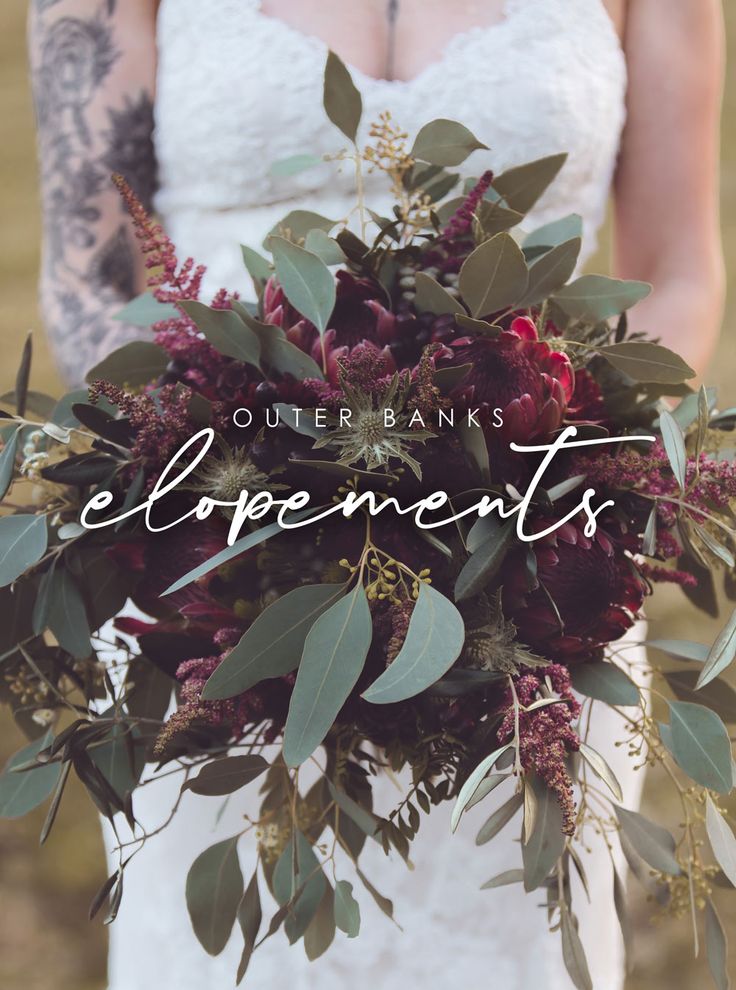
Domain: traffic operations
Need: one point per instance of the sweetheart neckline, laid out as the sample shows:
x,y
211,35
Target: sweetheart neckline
x,y
509,11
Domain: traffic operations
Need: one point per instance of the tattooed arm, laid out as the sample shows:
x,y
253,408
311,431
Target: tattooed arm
x,y
92,66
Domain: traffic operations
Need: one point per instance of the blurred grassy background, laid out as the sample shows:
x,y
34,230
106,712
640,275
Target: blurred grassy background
x,y
45,941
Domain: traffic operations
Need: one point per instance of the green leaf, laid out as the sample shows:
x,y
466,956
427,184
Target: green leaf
x,y
681,649
597,297
494,276
23,541
334,654
145,310
716,947
485,787
118,758
491,218
445,142
226,775
473,783
522,185
432,297
342,101
320,933
601,769
647,362
347,909
256,265
504,879
306,280
308,878
674,445
721,838
23,375
474,444
325,247
717,694
23,791
547,841
556,232
363,818
500,817
293,165
229,553
227,333
67,615
433,643
249,917
573,953
653,843
721,654
272,646
296,225
604,681
214,889
551,271
7,462
619,901
279,354
483,565
136,363
701,746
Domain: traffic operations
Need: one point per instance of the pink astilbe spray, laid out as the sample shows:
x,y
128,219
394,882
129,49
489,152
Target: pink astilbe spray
x,y
546,735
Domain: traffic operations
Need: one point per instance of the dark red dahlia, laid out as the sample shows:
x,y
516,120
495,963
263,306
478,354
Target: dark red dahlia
x,y
579,594
519,374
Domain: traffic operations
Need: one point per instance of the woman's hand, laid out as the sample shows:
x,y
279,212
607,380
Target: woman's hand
x,y
93,68
666,211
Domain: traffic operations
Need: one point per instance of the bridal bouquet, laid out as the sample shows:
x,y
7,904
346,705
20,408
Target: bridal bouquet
x,y
393,515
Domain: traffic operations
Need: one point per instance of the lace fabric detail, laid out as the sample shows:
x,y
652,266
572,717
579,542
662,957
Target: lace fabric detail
x,y
238,90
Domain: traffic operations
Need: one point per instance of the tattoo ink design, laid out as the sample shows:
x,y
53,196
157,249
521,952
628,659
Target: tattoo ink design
x,y
75,57
130,150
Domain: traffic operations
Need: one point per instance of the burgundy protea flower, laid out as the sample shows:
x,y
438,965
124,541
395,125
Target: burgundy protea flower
x,y
360,318
580,594
519,374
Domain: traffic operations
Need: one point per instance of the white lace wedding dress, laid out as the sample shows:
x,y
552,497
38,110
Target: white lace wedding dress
x,y
238,90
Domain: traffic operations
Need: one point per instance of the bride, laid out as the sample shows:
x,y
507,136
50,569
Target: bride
x,y
192,100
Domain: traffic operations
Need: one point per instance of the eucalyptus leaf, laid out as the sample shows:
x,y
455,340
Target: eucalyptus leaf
x,y
701,745
721,838
717,694
432,297
256,265
22,791
716,947
556,232
474,444
306,280
299,870
335,652
320,932
347,909
721,654
293,165
227,333
597,297
249,916
279,354
485,787
681,649
272,646
325,247
136,363
67,615
573,953
619,901
522,185
214,889
653,843
601,769
604,681
296,225
483,565
647,362
504,879
433,643
23,541
7,462
145,310
445,142
551,271
226,775
342,101
494,276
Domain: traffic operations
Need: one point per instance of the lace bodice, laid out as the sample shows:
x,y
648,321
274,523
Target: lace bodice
x,y
238,90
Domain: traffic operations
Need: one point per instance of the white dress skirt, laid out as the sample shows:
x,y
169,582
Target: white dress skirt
x,y
236,91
